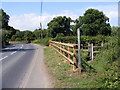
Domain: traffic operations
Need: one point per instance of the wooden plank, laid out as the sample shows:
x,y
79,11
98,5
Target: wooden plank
x,y
70,45
64,56
63,50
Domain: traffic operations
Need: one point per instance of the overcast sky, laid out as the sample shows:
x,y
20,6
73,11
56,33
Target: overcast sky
x,y
26,15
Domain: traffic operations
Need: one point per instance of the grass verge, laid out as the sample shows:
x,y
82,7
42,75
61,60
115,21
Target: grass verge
x,y
65,77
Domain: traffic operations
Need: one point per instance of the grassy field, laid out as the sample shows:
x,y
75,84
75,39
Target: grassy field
x,y
65,77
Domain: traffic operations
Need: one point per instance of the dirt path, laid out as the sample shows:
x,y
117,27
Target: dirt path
x,y
37,75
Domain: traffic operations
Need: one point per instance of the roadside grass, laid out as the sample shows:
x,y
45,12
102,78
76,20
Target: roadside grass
x,y
65,76
42,42
102,72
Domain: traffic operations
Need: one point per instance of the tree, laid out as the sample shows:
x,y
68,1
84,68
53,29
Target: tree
x,y
4,19
93,23
59,25
114,31
13,37
28,35
7,31
37,33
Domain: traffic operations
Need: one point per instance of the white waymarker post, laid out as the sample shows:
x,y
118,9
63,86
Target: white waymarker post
x,y
79,57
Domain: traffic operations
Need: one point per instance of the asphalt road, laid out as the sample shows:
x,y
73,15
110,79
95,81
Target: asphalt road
x,y
16,60
23,67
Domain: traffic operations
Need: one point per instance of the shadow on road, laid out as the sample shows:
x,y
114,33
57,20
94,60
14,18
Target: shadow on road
x,y
11,50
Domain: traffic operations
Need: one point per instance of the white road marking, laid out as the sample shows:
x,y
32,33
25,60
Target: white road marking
x,y
13,52
3,58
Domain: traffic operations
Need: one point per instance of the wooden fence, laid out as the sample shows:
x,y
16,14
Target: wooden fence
x,y
90,50
69,51
19,41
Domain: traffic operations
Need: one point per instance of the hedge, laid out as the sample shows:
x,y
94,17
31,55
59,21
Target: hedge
x,y
96,40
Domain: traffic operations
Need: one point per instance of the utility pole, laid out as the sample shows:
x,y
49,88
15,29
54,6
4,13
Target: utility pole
x,y
41,15
79,53
41,21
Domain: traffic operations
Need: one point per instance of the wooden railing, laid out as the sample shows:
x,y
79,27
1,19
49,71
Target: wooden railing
x,y
19,41
90,49
68,51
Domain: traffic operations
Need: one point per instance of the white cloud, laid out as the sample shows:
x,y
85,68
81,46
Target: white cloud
x,y
32,21
25,21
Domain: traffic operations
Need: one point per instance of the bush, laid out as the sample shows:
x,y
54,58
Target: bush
x,y
107,64
18,39
68,39
96,40
60,35
44,41
13,37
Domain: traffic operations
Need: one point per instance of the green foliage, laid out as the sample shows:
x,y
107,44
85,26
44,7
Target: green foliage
x,y
7,31
96,40
105,68
0,34
59,25
18,39
60,35
39,34
114,31
112,76
19,34
107,64
93,23
68,39
4,19
5,35
44,41
13,37
28,35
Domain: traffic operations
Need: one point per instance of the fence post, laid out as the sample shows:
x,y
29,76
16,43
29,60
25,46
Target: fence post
x,y
92,56
74,59
69,54
89,51
79,53
63,51
60,49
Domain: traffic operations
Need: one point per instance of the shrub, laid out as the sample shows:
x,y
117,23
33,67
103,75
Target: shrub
x,y
18,39
96,40
60,35
68,39
44,41
107,64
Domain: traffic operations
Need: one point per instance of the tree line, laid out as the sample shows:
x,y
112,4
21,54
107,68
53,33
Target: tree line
x,y
92,23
